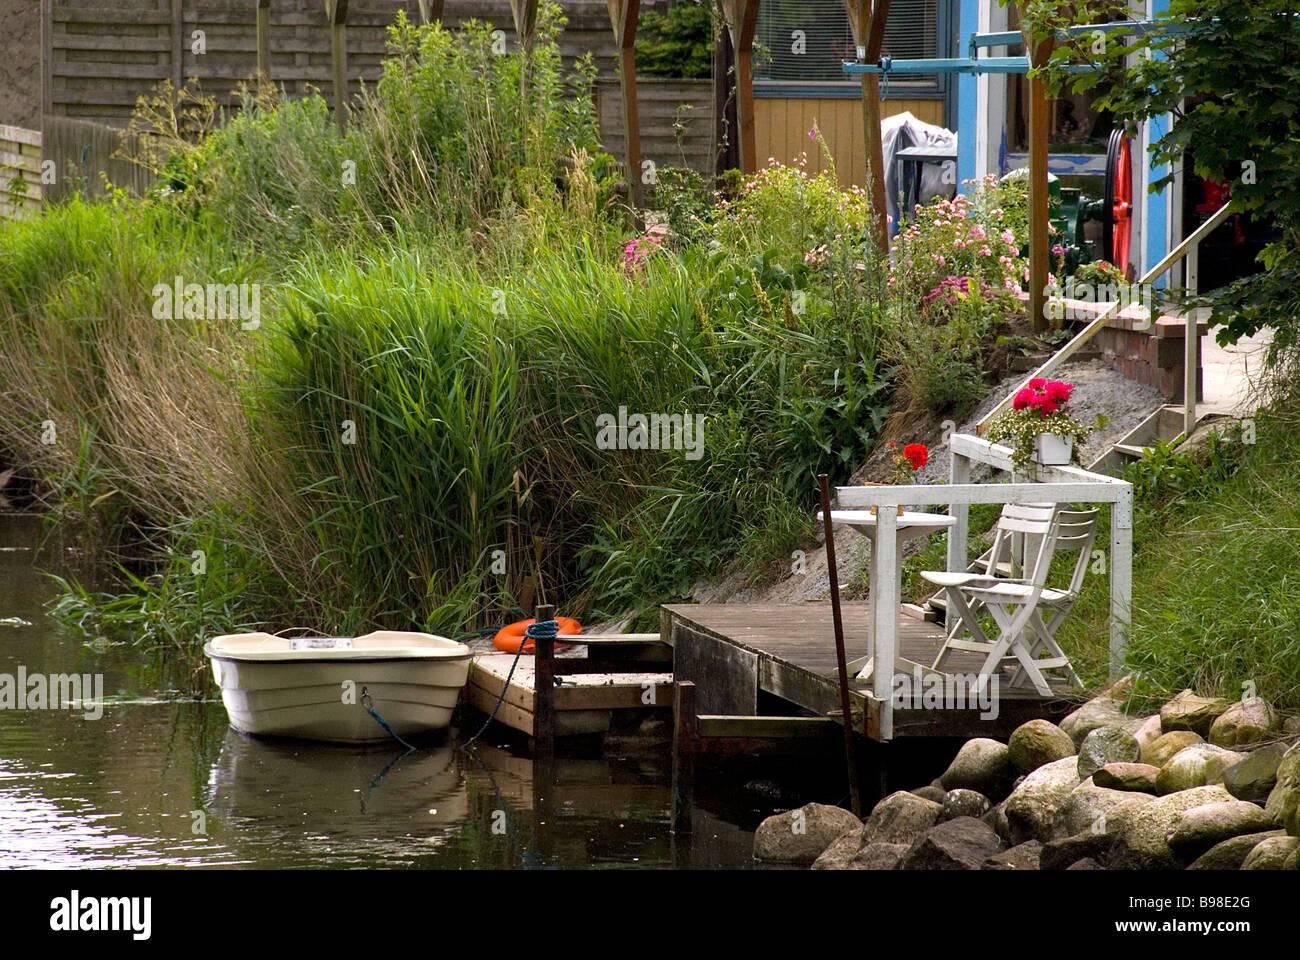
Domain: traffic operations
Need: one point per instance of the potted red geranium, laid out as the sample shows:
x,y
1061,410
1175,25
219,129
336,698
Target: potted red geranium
x,y
1039,428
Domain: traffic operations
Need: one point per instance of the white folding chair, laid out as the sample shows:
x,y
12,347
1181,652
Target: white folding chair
x,y
1030,520
1016,607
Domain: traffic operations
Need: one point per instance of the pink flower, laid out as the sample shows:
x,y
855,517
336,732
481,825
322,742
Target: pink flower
x,y
1008,238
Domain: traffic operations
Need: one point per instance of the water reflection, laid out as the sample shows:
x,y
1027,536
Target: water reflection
x,y
158,781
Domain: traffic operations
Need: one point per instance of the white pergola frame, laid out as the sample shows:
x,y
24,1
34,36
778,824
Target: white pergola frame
x,y
1053,485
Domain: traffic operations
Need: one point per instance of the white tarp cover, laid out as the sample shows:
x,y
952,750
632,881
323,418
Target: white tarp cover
x,y
900,132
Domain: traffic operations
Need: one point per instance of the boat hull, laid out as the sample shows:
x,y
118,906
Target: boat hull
x,y
326,697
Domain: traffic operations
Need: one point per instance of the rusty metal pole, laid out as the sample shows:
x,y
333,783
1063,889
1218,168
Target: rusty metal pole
x,y
846,707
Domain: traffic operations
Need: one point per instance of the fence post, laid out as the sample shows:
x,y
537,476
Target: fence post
x,y
336,12
263,40
959,472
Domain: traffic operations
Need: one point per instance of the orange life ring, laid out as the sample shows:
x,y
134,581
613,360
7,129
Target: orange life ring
x,y
510,636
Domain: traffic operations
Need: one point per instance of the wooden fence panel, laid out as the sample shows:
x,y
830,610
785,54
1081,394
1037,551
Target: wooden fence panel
x,y
98,59
81,150
20,172
660,104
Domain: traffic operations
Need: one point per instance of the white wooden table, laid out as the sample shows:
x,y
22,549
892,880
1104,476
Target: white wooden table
x,y
909,526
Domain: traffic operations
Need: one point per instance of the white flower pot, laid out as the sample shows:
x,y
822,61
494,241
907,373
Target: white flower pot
x,y
1053,449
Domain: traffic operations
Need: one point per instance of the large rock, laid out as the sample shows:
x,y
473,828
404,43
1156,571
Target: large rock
x,y
1231,854
1038,742
1284,799
1271,854
879,856
1135,777
1195,766
1244,723
1143,844
1032,806
1198,829
963,803
1187,711
802,835
1023,856
981,765
1254,776
1165,746
901,817
842,850
1063,853
1105,745
1099,810
1148,733
1087,863
960,844
931,792
997,819
1098,712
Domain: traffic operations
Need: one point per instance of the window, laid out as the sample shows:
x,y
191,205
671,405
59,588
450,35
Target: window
x,y
803,43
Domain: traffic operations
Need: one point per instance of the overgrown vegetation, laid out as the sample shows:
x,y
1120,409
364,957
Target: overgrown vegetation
x,y
447,307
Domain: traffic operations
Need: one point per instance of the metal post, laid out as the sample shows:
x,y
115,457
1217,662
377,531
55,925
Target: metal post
x,y
1191,342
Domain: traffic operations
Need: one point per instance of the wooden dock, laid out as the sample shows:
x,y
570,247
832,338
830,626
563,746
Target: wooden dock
x,y
737,653
583,700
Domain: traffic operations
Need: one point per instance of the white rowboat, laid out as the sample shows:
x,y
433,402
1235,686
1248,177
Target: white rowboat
x,y
319,688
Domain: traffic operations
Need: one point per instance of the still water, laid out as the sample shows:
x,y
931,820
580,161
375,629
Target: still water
x,y
162,781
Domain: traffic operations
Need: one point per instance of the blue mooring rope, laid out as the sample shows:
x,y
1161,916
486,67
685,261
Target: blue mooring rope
x,y
537,630
365,700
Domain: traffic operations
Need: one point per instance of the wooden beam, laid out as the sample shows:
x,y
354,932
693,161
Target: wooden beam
x,y
742,20
867,19
685,735
544,679
178,44
264,40
47,60
726,148
336,14
1039,242
430,10
623,16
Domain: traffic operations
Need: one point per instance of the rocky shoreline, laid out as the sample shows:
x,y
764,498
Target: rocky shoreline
x,y
1205,784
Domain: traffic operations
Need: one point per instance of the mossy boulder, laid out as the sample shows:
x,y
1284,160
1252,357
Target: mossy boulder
x,y
1195,766
1244,723
1275,853
901,817
1105,745
1166,745
1033,804
1198,829
1187,711
802,835
1284,799
1136,777
1038,742
1144,843
982,765
1254,776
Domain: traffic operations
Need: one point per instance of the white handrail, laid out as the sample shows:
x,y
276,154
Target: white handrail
x,y
1190,248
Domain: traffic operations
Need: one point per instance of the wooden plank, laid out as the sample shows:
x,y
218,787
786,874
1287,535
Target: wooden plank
x,y
767,728
725,674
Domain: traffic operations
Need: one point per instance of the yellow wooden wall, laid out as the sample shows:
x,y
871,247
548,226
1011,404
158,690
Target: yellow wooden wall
x,y
781,130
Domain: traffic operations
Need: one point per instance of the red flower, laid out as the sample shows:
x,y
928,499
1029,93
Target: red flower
x,y
1058,391
1023,399
916,454
1036,384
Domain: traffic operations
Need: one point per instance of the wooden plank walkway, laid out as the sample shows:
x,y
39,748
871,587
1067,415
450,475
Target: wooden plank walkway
x,y
582,701
733,651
